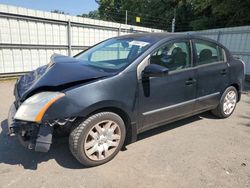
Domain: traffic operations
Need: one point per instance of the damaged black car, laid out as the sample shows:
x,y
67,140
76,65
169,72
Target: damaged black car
x,y
105,96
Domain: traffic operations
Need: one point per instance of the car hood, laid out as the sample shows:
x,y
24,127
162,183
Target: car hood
x,y
61,72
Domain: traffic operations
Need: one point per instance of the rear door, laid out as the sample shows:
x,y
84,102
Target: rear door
x,y
212,73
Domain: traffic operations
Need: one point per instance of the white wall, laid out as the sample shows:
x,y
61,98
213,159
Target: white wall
x,y
29,37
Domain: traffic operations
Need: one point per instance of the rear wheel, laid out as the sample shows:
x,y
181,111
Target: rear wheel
x,y
98,139
227,103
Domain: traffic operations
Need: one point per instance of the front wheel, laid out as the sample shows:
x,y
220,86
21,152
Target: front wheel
x,y
98,139
227,103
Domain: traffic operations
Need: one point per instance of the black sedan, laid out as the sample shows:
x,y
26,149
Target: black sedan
x,y
106,95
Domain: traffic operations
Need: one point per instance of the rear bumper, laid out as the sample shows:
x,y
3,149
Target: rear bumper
x,y
31,135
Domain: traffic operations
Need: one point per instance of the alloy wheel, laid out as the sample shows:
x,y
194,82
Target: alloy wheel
x,y
102,140
229,102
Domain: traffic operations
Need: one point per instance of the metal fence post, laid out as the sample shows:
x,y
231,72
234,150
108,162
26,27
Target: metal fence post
x,y
218,36
69,37
119,30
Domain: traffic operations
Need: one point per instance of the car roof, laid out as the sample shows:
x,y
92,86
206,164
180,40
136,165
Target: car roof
x,y
158,36
155,37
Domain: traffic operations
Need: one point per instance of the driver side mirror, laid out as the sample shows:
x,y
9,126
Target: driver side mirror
x,y
154,70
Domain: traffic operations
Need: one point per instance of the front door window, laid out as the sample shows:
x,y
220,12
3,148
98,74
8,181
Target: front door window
x,y
174,56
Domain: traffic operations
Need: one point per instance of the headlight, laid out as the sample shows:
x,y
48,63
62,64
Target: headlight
x,y
35,106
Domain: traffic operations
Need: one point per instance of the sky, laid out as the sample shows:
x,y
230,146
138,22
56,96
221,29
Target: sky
x,y
73,7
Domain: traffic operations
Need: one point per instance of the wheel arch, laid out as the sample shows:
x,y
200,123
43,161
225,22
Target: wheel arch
x,y
131,130
238,88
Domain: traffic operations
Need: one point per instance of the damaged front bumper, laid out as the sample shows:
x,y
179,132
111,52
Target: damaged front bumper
x,y
31,135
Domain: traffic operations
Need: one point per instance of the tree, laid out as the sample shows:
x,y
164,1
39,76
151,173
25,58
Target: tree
x,y
220,13
153,13
115,10
189,14
59,12
92,14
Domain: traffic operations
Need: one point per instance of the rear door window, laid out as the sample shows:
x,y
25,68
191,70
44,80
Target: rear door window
x,y
208,52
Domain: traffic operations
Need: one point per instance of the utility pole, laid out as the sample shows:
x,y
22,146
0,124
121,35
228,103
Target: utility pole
x,y
173,25
126,17
69,38
173,21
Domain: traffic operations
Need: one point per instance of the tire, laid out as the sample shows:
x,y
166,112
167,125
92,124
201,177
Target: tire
x,y
102,133
220,111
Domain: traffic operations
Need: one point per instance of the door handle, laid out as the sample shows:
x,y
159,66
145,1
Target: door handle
x,y
190,81
223,72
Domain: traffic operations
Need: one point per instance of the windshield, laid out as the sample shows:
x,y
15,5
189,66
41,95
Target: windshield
x,y
114,54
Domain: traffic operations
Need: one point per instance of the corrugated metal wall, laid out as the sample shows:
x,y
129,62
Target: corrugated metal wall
x,y
29,37
236,39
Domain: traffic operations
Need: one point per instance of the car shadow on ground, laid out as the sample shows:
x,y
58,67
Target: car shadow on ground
x,y
246,90
246,86
246,117
175,125
13,153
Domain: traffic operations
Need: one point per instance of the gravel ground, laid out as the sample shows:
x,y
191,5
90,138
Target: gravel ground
x,y
200,151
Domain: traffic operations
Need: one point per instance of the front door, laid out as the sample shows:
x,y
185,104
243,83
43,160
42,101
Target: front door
x,y
166,98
